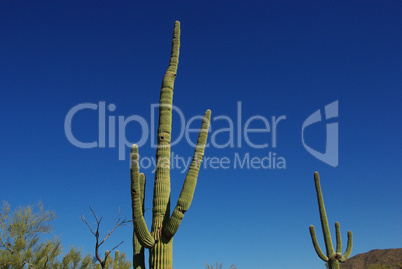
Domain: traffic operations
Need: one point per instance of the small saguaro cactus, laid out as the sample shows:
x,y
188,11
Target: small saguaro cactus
x,y
110,263
164,226
119,261
333,258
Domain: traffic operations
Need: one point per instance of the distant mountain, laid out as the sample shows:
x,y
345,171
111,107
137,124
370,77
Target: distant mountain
x,y
376,259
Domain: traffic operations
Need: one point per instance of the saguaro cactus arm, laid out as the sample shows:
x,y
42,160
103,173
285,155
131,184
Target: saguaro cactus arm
x,y
141,230
316,246
187,191
338,239
348,251
138,249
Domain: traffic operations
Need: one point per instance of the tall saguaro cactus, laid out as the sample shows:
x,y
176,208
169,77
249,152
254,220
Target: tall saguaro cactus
x,y
164,226
333,258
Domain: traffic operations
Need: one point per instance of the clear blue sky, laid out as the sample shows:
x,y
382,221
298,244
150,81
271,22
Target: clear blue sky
x,y
278,58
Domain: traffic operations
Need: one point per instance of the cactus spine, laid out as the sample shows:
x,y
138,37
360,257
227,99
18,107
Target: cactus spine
x,y
164,226
333,258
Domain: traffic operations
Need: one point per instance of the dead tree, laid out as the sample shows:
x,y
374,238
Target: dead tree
x,y
119,222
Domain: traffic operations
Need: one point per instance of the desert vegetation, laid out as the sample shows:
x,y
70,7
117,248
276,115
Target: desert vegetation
x,y
26,241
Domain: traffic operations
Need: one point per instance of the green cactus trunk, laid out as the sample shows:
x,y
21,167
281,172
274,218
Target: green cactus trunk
x,y
333,264
161,255
164,225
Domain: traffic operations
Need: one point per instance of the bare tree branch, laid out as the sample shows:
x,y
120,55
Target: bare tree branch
x,y
119,222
